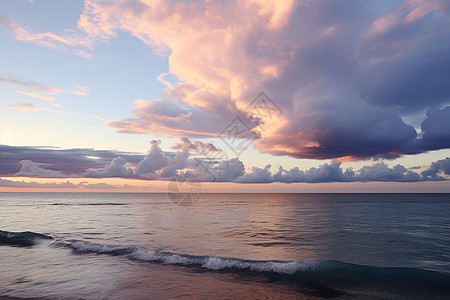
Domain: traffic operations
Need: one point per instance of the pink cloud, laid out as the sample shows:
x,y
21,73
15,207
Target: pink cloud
x,y
25,107
346,77
225,53
69,40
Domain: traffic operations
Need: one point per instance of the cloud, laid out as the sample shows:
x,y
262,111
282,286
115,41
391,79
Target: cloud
x,y
435,129
209,164
29,83
224,171
257,175
437,169
324,173
154,161
32,169
350,77
188,163
60,185
25,107
197,146
68,40
68,161
346,76
176,117
24,184
116,168
332,173
37,95
381,172
79,90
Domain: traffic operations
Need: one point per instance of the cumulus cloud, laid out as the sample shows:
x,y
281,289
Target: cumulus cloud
x,y
196,146
324,173
332,173
154,161
190,163
117,168
225,171
381,172
256,175
33,169
437,170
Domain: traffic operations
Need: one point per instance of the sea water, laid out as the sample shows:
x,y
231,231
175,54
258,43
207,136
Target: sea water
x,y
248,246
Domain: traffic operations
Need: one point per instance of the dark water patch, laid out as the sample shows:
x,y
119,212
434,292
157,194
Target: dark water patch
x,y
21,239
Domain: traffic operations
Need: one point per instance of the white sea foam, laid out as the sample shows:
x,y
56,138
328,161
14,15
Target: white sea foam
x,y
208,262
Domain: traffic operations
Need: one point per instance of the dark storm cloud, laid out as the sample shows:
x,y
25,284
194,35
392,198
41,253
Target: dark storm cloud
x,y
436,129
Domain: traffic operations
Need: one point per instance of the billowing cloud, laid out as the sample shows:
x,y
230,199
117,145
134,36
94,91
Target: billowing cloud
x,y
195,146
33,169
353,79
117,168
346,80
381,172
257,175
155,161
437,170
332,173
224,171
324,173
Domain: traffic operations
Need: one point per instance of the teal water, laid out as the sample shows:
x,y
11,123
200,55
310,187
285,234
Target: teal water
x,y
121,246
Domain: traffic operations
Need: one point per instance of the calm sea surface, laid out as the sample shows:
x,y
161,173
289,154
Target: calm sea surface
x,y
144,246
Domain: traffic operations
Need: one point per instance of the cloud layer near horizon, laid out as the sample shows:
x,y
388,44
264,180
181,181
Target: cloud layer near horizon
x,y
194,161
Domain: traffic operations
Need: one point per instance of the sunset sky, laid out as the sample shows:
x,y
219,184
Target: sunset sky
x,y
242,96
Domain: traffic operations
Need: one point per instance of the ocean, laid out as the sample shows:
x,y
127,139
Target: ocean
x,y
224,246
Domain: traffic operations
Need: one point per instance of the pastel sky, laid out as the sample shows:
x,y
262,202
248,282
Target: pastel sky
x,y
240,95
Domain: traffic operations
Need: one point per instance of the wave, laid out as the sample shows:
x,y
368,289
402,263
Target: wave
x,y
24,239
328,278
207,262
324,275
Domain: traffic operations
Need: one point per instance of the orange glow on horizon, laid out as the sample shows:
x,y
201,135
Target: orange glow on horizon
x,y
145,186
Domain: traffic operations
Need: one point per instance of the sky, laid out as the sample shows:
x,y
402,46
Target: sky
x,y
237,96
